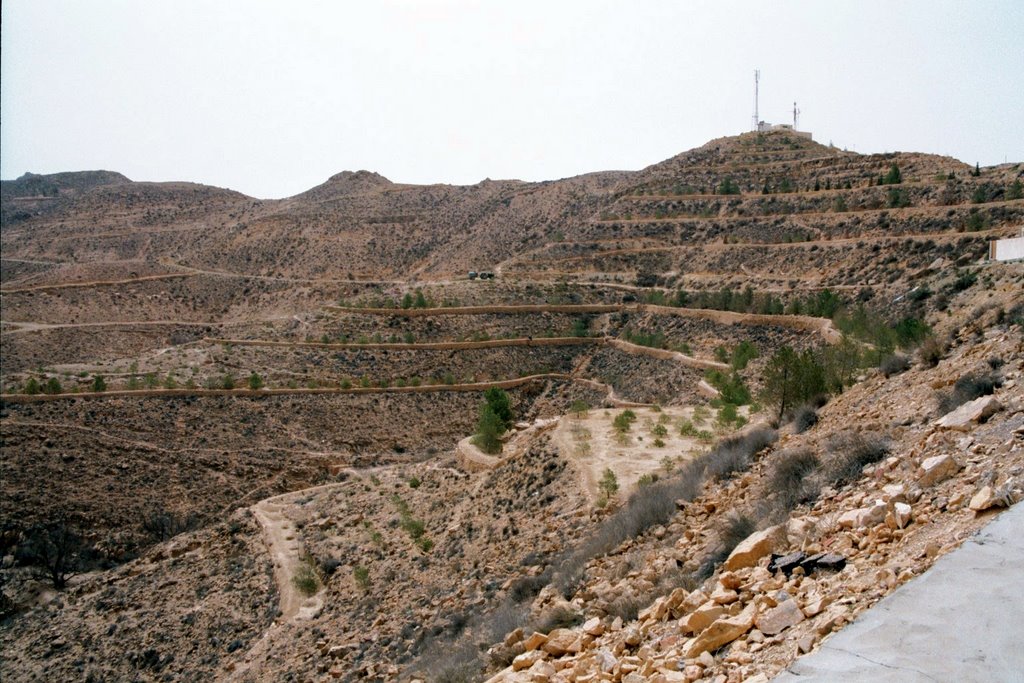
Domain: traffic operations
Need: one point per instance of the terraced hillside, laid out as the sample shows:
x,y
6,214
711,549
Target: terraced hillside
x,y
264,408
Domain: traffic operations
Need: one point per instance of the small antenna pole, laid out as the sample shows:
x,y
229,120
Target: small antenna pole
x,y
757,78
796,117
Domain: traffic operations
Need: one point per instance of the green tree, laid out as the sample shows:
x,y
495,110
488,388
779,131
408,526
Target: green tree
x,y
420,301
500,404
489,429
407,300
227,381
31,387
609,484
579,408
728,186
791,378
1016,190
99,384
743,353
255,381
624,421
893,177
52,386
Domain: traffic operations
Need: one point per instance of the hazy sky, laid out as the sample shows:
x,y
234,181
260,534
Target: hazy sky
x,y
271,98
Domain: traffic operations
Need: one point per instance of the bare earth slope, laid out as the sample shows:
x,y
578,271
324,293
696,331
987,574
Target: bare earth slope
x,y
243,417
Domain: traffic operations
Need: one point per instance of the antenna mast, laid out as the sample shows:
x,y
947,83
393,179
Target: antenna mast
x,y
757,78
796,116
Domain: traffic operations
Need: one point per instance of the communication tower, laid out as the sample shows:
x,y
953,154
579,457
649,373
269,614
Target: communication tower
x,y
757,118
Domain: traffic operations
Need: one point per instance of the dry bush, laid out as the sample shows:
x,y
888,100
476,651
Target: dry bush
x,y
735,454
804,418
894,364
931,352
968,388
850,452
789,480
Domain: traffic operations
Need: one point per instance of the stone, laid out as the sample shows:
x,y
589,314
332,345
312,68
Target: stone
x,y
534,641
706,659
633,636
722,631
937,469
513,637
541,672
786,563
850,519
692,673
875,514
816,605
702,617
724,596
826,561
798,529
606,661
593,627
756,546
901,513
805,644
693,601
526,660
989,497
561,641
779,618
963,418
730,581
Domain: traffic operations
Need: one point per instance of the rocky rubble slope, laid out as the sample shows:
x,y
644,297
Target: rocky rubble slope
x,y
806,572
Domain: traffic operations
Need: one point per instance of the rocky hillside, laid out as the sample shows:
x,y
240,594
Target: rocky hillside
x,y
752,390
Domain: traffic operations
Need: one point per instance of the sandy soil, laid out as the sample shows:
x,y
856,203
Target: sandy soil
x,y
592,443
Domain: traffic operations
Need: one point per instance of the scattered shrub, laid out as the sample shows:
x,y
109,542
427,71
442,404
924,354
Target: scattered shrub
x,y
609,484
931,352
804,418
736,530
968,388
559,617
788,479
362,576
735,454
305,579
98,383
894,364
329,565
850,452
624,420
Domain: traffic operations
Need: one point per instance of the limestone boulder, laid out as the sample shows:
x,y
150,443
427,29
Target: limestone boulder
x,y
937,469
560,641
754,547
702,617
969,414
777,619
526,660
723,631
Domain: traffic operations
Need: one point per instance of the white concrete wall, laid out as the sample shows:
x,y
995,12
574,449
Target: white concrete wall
x,y
1007,250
